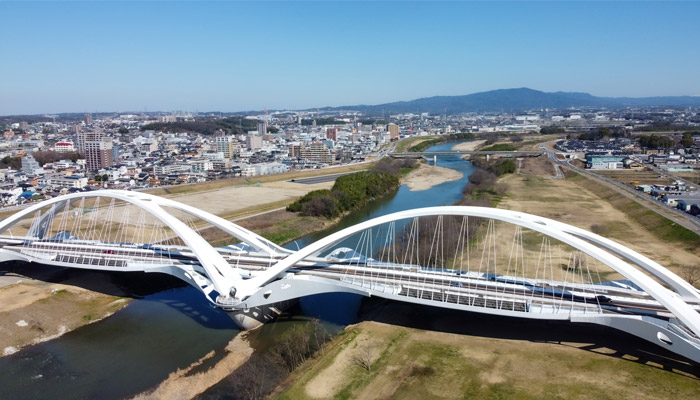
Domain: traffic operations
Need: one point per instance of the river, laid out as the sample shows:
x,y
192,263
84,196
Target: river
x,y
139,346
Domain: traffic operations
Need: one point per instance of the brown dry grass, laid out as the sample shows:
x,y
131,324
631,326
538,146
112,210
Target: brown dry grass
x,y
181,385
536,166
227,183
49,310
580,202
420,364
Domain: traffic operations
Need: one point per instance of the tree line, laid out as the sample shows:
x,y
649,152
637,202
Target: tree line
x,y
350,191
231,125
441,139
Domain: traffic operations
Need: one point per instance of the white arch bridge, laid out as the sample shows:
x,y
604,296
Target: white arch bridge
x,y
473,259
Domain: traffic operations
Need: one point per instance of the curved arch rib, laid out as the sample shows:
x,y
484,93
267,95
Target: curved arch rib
x,y
251,238
221,274
562,232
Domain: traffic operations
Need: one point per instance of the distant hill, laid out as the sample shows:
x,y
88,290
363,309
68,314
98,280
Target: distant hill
x,y
517,100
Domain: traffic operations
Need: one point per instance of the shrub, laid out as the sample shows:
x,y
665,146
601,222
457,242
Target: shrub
x,y
348,192
388,166
296,206
321,206
506,167
599,229
481,177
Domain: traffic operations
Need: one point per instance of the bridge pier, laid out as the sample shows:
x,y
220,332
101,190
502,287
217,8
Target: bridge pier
x,y
252,318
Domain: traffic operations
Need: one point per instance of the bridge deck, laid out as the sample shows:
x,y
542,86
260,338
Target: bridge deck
x,y
433,286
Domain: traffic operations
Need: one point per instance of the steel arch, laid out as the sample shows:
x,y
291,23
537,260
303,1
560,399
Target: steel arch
x,y
221,274
579,239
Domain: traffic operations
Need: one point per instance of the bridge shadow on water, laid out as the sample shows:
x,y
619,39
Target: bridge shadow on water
x,y
593,338
151,287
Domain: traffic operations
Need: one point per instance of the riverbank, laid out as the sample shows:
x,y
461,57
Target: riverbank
x,y
581,202
34,311
184,384
425,176
283,224
452,355
49,302
402,350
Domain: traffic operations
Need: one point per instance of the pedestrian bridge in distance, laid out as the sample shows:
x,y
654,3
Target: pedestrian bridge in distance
x,y
516,153
472,259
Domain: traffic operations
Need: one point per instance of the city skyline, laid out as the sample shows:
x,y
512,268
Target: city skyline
x,y
236,56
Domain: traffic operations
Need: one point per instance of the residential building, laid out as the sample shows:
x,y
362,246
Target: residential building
x,y
254,142
226,145
318,152
97,150
332,134
64,147
30,166
262,128
393,130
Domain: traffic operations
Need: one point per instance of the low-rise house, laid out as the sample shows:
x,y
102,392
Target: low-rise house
x,y
684,203
594,161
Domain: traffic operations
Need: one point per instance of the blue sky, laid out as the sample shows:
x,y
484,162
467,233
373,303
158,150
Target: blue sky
x,y
231,56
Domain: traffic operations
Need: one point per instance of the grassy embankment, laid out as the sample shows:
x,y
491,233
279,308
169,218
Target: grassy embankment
x,y
506,362
500,147
663,228
409,363
276,225
405,144
173,191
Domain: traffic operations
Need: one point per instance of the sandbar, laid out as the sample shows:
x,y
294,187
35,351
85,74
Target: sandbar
x,y
468,146
425,177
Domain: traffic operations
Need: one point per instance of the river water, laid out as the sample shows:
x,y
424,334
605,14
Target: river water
x,y
139,346
444,194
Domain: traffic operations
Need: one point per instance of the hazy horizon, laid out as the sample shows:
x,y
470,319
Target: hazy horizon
x,y
276,109
237,56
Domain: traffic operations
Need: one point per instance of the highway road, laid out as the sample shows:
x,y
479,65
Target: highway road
x,y
682,218
319,179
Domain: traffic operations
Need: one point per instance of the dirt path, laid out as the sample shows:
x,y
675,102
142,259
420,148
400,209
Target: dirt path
x,y
332,379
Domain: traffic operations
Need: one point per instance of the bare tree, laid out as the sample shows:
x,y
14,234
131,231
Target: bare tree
x,y
364,356
250,382
691,273
295,346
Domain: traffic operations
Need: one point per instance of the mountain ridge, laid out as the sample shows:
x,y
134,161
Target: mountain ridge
x,y
516,99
